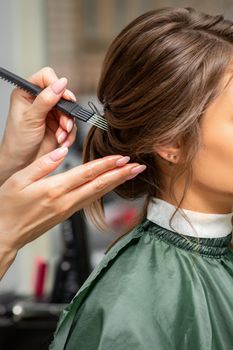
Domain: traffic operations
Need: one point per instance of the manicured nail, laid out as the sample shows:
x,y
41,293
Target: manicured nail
x,y
69,125
66,144
138,169
61,137
122,161
131,177
58,153
59,85
70,95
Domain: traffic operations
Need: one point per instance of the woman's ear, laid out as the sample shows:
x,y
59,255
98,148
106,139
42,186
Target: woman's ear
x,y
170,152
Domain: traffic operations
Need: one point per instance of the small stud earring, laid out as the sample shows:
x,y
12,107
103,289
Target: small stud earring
x,y
171,156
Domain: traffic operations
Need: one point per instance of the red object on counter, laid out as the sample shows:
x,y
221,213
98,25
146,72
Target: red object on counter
x,y
41,269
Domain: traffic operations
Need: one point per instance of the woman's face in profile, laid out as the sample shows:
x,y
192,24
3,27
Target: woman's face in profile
x,y
213,164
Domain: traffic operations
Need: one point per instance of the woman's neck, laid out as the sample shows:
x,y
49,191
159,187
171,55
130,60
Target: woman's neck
x,y
201,205
198,198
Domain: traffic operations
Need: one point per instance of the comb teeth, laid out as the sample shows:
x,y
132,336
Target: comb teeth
x,y
98,121
9,81
19,82
13,83
18,86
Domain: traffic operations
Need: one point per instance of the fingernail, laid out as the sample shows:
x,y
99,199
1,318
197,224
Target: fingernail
x,y
61,137
69,125
59,85
122,161
70,95
66,144
131,177
58,153
138,169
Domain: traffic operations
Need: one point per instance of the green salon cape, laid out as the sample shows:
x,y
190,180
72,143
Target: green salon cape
x,y
155,289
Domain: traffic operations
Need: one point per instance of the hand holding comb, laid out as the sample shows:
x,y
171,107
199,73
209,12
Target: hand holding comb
x,y
68,107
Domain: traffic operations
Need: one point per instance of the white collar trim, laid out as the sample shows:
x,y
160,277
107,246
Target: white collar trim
x,y
206,225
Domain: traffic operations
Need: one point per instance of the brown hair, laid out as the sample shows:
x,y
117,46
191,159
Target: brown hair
x,y
158,77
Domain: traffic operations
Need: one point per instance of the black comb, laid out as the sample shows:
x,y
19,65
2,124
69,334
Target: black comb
x,y
65,106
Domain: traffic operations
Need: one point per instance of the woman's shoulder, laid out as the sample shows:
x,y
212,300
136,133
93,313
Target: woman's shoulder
x,y
117,253
124,276
112,266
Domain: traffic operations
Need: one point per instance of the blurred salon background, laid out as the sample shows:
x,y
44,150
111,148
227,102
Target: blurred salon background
x,y
72,37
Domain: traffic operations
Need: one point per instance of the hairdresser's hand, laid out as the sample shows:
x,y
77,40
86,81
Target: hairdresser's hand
x,y
33,128
33,203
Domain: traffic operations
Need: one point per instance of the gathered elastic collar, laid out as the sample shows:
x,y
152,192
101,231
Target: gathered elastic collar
x,y
208,247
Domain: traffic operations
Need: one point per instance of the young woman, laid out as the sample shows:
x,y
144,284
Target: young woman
x,y
167,89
